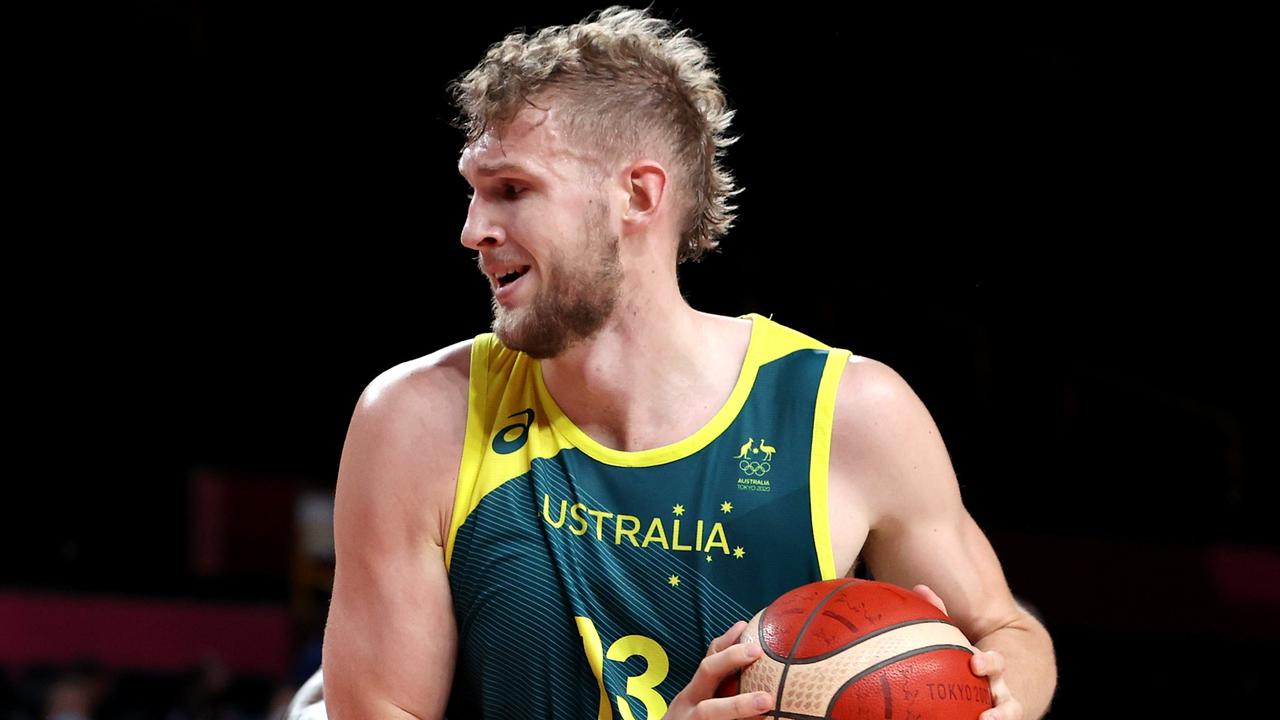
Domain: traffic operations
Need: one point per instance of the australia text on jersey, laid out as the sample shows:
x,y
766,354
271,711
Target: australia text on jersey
x,y
667,533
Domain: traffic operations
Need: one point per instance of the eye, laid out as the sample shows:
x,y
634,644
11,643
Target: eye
x,y
508,191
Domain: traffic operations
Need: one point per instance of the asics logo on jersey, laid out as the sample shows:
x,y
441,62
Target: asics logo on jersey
x,y
504,443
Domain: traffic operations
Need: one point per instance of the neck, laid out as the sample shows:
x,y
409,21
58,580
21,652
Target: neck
x,y
654,374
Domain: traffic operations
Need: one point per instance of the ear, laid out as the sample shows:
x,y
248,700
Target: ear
x,y
646,185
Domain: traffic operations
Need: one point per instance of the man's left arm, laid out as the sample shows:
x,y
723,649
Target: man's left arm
x,y
887,445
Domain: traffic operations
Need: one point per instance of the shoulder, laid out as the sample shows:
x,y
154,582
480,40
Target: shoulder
x,y
868,384
404,443
421,384
886,442
420,399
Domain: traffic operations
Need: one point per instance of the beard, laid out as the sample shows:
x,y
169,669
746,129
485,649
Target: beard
x,y
574,299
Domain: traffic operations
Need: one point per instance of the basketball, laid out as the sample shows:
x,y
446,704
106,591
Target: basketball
x,y
853,649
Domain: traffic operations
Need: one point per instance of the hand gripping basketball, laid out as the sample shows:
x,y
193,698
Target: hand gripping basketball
x,y
988,664
726,656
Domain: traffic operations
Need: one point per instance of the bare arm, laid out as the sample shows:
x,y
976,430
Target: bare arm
x,y
391,638
921,532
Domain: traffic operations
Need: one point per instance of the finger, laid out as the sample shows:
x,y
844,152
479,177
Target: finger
x,y
1008,710
989,662
931,596
716,666
1006,707
1000,693
728,638
747,705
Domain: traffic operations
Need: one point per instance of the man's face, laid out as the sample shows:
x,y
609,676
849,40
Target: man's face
x,y
541,224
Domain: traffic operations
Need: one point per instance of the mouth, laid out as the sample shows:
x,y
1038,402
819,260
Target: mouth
x,y
505,279
502,279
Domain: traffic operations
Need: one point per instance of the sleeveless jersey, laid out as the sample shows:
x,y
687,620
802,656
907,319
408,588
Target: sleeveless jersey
x,y
588,582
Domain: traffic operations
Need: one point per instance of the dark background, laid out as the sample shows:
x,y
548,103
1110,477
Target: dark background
x,y
237,215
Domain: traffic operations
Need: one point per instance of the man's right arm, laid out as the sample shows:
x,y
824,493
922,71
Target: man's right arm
x,y
391,638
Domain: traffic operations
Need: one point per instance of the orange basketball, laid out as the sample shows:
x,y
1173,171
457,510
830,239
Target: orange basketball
x,y
861,650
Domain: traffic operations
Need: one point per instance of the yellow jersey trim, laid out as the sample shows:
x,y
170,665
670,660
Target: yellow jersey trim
x,y
820,460
757,352
498,394
473,442
495,389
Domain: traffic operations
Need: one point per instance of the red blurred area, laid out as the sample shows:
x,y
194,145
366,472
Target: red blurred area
x,y
39,628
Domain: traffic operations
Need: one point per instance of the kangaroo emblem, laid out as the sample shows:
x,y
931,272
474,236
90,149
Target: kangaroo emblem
x,y
742,451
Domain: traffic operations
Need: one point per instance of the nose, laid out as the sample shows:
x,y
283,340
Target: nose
x,y
481,228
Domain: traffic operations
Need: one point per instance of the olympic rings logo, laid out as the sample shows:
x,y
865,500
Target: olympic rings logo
x,y
751,467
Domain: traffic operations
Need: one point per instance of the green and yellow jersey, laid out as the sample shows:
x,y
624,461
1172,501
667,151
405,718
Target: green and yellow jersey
x,y
588,582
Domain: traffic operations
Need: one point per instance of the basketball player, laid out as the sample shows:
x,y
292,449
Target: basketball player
x,y
571,516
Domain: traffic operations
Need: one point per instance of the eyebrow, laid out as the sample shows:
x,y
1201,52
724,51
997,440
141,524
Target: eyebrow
x,y
498,169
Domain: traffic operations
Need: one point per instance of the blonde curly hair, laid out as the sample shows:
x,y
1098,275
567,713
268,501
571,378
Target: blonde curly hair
x,y
633,83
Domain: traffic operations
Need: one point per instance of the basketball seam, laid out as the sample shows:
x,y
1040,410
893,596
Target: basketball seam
x,y
795,643
868,636
835,696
